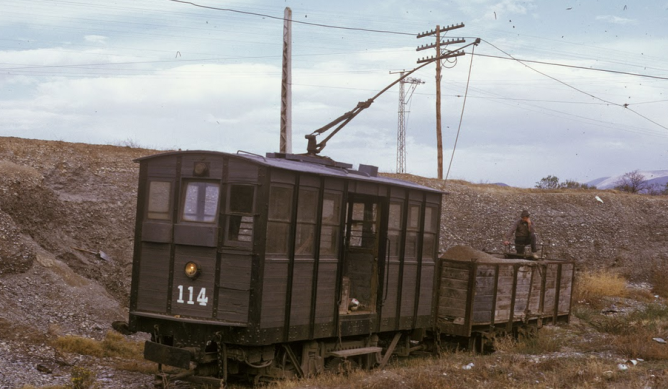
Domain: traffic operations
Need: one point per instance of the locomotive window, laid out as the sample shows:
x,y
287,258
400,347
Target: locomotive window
x,y
414,217
278,224
412,231
430,219
241,198
280,203
306,218
159,200
430,230
200,202
394,229
363,225
331,216
240,214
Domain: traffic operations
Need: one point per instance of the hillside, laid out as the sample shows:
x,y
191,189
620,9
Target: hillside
x,y
66,235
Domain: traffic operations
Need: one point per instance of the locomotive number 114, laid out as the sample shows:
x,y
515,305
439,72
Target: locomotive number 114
x,y
202,299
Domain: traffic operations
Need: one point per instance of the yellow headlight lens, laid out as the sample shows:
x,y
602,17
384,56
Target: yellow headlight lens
x,y
191,270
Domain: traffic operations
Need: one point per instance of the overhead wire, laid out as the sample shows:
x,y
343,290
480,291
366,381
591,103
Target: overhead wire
x,y
461,117
573,66
293,21
500,99
624,105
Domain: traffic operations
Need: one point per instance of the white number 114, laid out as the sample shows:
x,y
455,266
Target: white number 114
x,y
201,297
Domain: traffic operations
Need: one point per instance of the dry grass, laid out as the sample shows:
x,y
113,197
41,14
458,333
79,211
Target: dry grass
x,y
592,287
541,343
658,277
113,345
496,371
124,354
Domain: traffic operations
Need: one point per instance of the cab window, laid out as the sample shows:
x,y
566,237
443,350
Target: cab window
x,y
412,231
307,209
278,223
240,214
200,202
331,225
159,200
394,228
430,232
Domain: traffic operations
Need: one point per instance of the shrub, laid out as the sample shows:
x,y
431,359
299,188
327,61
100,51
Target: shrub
x,y
632,182
591,287
82,378
549,182
552,182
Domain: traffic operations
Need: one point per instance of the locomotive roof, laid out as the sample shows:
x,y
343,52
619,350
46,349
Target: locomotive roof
x,y
322,166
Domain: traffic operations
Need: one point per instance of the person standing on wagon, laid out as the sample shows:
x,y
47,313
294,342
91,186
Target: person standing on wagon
x,y
525,234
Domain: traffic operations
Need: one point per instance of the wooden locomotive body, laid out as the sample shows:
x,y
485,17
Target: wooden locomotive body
x,y
269,266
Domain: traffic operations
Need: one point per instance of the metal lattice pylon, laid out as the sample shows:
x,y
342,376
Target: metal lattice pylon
x,y
401,128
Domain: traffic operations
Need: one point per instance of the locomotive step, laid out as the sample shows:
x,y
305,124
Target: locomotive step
x,y
354,351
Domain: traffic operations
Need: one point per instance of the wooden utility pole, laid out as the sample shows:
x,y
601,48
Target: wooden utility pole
x,y
286,85
439,137
439,56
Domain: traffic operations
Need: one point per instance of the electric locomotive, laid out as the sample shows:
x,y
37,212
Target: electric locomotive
x,y
279,265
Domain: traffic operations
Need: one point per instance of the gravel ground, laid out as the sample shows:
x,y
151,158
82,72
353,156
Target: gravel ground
x,y
62,203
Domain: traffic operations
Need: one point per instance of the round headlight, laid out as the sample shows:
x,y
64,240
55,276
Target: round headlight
x,y
192,270
201,169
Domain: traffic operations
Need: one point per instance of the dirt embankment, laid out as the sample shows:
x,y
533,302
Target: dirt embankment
x,y
63,203
596,228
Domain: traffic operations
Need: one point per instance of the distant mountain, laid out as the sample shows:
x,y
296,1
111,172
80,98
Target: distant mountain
x,y
654,177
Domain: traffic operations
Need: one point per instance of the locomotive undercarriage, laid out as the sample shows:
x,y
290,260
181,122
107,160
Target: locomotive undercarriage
x,y
216,362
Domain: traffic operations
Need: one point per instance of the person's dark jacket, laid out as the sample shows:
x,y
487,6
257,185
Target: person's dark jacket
x,y
521,229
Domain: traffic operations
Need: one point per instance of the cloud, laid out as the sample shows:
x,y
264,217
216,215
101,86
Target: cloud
x,y
616,20
95,38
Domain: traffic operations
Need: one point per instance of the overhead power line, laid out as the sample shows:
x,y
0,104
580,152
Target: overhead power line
x,y
626,106
293,21
573,66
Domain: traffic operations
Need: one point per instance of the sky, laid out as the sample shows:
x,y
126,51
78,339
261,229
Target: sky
x,y
572,89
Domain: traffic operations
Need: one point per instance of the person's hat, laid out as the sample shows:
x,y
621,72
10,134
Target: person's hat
x,y
525,213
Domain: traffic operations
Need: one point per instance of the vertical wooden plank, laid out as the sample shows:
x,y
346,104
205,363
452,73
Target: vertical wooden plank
x,y
274,290
300,307
234,282
153,277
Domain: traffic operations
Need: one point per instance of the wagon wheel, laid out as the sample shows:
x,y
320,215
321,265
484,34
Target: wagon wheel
x,y
489,341
341,365
527,331
476,343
